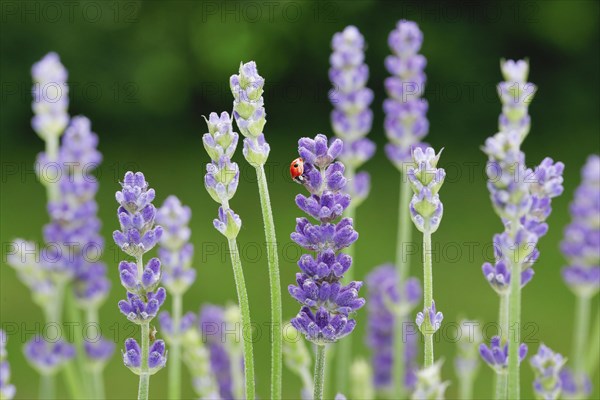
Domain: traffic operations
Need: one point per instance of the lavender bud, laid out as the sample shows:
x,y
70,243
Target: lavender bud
x,y
220,140
132,356
247,90
496,355
546,366
221,179
429,383
228,223
98,352
46,357
430,320
426,179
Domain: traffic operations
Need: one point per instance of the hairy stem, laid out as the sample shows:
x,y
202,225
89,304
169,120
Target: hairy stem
x,y
427,294
240,285
403,238
500,380
344,347
582,327
593,353
514,323
144,387
273,262
319,380
175,351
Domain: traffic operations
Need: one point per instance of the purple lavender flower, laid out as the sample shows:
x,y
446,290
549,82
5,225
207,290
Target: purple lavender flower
x,y
572,387
582,236
212,325
99,351
426,179
352,118
249,112
325,316
382,310
50,97
48,357
140,310
547,366
429,320
405,111
132,356
166,323
7,391
496,355
516,94
138,234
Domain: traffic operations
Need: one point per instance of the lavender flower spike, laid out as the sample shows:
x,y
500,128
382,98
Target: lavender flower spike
x,y
386,304
546,366
221,180
139,235
197,359
48,358
582,236
352,118
516,94
405,123
7,391
496,355
328,305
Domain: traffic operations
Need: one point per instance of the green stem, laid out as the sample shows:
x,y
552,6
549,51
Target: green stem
x,y
175,351
98,381
465,387
97,384
582,328
73,381
329,358
514,323
403,238
273,262
47,387
344,347
500,380
81,360
240,285
52,189
319,380
593,353
427,294
144,387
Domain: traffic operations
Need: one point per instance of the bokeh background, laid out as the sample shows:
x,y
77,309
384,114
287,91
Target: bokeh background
x,y
145,72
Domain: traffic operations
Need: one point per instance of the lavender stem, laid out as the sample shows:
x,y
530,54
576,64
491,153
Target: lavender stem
x,y
97,375
144,386
582,328
273,263
427,294
319,372
175,350
593,353
404,236
240,285
514,323
501,379
47,387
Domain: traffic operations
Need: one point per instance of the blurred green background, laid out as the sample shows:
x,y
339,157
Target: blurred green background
x,y
145,72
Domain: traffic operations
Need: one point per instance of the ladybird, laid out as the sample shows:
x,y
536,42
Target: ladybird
x,y
297,169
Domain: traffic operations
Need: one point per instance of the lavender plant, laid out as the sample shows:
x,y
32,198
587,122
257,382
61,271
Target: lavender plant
x,y
225,361
249,113
176,254
351,120
48,358
197,359
426,211
137,236
382,311
298,360
221,180
546,366
466,361
7,390
325,316
582,275
429,383
522,198
405,126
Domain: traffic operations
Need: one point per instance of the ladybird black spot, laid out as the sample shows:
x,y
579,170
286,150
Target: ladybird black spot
x,y
295,165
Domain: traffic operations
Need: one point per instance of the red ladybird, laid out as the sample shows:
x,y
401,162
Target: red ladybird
x,y
297,169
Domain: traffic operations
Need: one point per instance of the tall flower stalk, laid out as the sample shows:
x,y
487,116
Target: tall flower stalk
x,y
221,181
351,121
426,211
382,311
137,236
582,275
405,126
522,198
327,305
176,254
249,113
